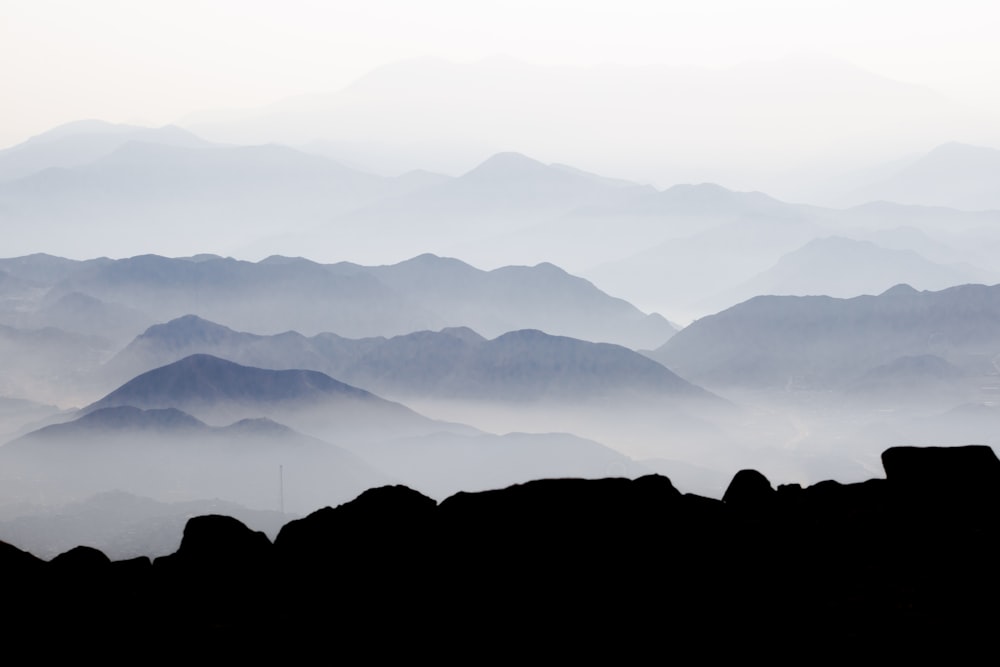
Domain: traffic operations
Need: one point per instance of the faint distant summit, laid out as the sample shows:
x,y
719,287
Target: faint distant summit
x,y
953,175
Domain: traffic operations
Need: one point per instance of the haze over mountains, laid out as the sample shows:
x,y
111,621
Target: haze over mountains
x,y
845,374
659,120
519,366
82,142
138,440
952,175
280,293
632,240
221,391
842,267
824,341
372,287
533,381
170,456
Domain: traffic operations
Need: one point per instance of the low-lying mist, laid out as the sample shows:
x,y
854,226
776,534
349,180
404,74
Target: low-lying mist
x,y
171,407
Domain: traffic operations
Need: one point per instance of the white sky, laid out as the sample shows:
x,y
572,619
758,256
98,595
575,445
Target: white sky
x,y
152,61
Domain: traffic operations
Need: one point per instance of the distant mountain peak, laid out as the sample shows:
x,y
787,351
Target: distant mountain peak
x,y
188,326
512,166
549,267
258,426
127,416
85,126
901,289
950,175
527,334
283,259
506,165
203,257
701,188
200,379
959,148
428,259
709,193
464,333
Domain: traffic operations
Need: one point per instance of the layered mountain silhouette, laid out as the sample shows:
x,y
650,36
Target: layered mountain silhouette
x,y
952,175
525,381
150,195
445,116
506,192
280,294
519,366
220,391
19,415
673,251
918,377
141,438
83,142
842,267
697,262
146,188
819,341
49,364
168,454
84,314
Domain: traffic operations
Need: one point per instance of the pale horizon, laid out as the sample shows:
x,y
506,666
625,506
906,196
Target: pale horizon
x,y
154,64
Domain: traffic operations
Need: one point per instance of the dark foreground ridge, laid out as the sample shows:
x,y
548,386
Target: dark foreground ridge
x,y
569,565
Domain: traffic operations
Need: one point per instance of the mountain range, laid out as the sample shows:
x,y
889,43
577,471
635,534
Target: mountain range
x,y
842,267
139,438
824,342
220,391
679,251
166,454
952,175
457,363
83,142
661,120
283,293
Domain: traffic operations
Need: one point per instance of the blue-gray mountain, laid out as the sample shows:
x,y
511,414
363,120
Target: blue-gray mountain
x,y
694,260
635,120
83,142
145,190
280,293
220,391
48,364
520,366
823,342
677,251
954,175
524,381
842,267
506,193
139,439
167,454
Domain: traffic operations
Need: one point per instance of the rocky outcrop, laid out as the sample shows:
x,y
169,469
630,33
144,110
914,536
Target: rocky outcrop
x,y
582,567
944,475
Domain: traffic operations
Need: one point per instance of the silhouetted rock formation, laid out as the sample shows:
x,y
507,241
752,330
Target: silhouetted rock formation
x,y
582,567
749,489
80,560
212,580
944,475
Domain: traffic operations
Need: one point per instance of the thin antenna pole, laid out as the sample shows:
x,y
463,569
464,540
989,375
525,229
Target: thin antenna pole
x,y
281,486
